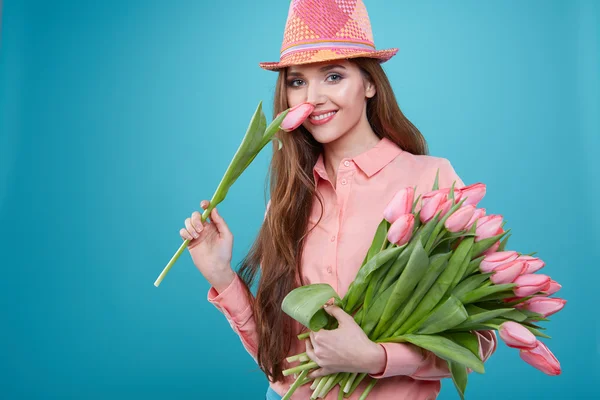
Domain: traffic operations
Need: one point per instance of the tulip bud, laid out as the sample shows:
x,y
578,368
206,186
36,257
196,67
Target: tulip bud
x,y
445,207
400,204
479,212
490,262
459,219
543,305
516,335
296,116
488,226
541,358
507,273
529,284
473,193
492,249
400,231
431,205
534,263
554,287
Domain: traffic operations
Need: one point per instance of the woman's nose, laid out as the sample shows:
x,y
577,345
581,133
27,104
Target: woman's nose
x,y
314,94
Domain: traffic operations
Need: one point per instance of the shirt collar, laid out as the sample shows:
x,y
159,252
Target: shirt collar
x,y
370,161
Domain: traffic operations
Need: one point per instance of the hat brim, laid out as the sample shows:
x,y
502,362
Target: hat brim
x,y
313,56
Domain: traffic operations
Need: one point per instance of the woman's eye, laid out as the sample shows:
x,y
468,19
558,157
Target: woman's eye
x,y
291,83
339,77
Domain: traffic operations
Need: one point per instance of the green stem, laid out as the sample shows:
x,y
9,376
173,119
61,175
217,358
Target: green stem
x,y
315,394
349,382
295,385
300,368
302,357
304,335
357,382
368,389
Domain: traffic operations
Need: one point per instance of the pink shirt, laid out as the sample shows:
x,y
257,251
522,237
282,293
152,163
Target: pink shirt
x,y
334,252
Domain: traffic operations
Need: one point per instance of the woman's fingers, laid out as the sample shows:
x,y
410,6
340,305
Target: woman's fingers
x,y
219,222
185,235
190,228
204,204
197,221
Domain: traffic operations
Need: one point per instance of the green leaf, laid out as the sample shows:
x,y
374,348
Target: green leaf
x,y
379,240
447,315
358,286
473,266
305,304
470,284
480,293
375,283
503,244
536,332
485,244
373,314
436,181
480,316
467,340
404,286
437,263
459,377
443,348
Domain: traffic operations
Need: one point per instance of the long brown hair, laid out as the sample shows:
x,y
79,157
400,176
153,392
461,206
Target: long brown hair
x,y
277,251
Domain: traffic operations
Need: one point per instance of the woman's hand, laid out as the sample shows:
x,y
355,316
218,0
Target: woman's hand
x,y
211,246
345,349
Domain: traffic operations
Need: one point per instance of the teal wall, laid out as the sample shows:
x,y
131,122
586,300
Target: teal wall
x,y
117,118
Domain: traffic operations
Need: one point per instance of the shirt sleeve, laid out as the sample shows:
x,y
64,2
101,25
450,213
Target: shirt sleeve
x,y
236,304
408,359
447,175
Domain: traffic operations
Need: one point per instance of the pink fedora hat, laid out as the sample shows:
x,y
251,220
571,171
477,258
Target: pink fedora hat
x,y
323,30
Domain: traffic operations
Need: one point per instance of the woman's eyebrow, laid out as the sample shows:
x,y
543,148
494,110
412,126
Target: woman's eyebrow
x,y
322,69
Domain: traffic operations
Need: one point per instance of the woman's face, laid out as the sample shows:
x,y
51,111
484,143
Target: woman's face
x,y
338,91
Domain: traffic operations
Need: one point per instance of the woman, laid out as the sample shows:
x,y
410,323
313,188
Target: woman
x,y
329,186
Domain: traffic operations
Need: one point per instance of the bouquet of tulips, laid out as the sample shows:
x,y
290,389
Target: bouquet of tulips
x,y
432,277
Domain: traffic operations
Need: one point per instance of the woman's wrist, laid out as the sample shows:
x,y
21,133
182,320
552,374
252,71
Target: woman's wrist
x,y
378,360
223,280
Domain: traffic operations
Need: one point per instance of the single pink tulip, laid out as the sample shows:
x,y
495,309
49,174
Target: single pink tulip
x,y
296,116
541,358
543,305
488,226
516,335
554,287
430,206
529,284
445,207
400,231
479,212
490,262
400,204
473,193
534,263
507,273
459,219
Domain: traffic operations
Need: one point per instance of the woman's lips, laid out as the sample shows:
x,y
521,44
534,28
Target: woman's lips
x,y
323,120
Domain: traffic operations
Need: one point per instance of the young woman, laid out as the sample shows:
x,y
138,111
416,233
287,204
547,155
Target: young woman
x,y
329,186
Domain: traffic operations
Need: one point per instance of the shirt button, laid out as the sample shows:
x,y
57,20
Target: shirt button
x,y
347,163
329,269
333,238
343,181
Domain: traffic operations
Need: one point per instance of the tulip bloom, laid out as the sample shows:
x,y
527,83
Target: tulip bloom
x,y
490,262
554,287
507,273
480,212
459,219
473,193
400,231
492,249
296,116
488,226
543,305
516,335
534,264
529,284
430,206
541,358
400,204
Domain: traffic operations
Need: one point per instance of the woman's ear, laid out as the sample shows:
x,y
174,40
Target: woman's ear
x,y
370,90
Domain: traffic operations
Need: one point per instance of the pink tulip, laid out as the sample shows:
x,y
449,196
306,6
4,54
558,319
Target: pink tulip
x,y
543,305
554,287
473,193
488,226
541,358
529,284
492,249
296,116
431,205
490,262
507,273
400,231
534,263
459,219
480,212
516,335
445,207
400,204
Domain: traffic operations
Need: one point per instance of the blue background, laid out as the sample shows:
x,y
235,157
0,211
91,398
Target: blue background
x,y
117,118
